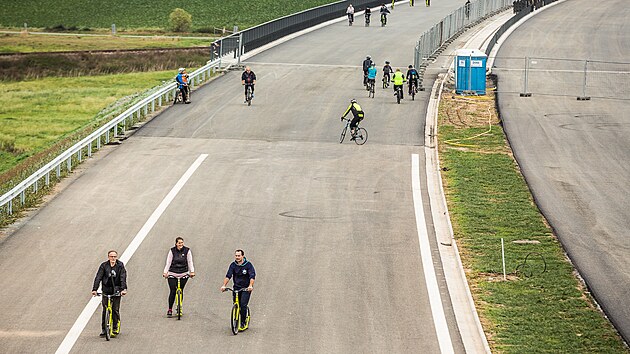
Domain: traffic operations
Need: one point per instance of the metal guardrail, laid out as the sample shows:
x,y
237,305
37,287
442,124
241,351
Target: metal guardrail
x,y
237,44
254,37
103,135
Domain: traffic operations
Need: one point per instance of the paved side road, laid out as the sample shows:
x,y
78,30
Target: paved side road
x,y
575,155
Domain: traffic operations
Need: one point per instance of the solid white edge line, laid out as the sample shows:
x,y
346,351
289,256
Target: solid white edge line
x,y
435,299
92,305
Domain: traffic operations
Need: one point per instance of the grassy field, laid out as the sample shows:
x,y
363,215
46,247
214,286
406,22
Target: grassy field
x,y
28,43
534,310
147,14
36,114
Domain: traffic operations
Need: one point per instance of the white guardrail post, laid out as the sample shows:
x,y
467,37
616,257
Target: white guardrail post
x,y
93,141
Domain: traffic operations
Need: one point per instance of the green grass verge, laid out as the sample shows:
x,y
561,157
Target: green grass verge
x,y
488,199
147,13
28,43
37,114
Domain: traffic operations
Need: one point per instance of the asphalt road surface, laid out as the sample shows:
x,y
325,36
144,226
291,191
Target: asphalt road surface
x,y
575,154
329,227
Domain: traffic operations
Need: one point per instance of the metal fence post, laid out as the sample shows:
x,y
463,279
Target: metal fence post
x,y
584,97
525,93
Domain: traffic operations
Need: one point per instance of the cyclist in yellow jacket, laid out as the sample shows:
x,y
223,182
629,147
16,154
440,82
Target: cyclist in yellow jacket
x,y
358,114
399,81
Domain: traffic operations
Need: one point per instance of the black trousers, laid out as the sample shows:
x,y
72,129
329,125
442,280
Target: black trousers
x,y
243,300
115,312
252,86
172,284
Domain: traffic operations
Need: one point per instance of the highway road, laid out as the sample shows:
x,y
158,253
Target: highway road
x,y
575,154
330,227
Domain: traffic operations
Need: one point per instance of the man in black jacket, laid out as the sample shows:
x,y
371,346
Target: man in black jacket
x,y
113,276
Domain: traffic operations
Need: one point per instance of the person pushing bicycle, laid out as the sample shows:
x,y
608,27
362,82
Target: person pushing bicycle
x,y
112,276
179,265
243,275
358,114
182,81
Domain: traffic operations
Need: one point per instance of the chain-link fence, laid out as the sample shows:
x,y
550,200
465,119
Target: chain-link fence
x,y
582,79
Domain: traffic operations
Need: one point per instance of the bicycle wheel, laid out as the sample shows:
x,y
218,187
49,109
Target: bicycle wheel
x,y
361,136
108,325
343,134
179,298
398,94
235,319
372,89
248,98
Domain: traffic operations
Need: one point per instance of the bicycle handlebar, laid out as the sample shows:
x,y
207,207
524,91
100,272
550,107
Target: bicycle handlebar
x,y
184,277
236,291
116,294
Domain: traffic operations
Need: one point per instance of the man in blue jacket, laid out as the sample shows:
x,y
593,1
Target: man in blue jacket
x,y
244,276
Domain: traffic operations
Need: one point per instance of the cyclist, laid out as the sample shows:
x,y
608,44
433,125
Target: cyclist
x,y
366,65
368,13
248,79
179,264
371,74
350,13
182,80
112,276
399,82
387,70
384,11
358,114
412,77
244,275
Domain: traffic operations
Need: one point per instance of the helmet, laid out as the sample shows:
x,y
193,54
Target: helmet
x,y
353,101
410,66
368,57
181,70
386,62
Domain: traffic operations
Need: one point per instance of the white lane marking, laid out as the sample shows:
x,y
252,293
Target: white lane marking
x,y
88,311
435,299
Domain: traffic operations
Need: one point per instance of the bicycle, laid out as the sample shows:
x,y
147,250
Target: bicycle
x,y
350,19
371,88
413,89
248,94
360,134
179,96
179,297
386,81
367,19
398,93
383,20
235,315
109,326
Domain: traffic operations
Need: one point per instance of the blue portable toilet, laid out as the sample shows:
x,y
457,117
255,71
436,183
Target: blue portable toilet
x,y
470,71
